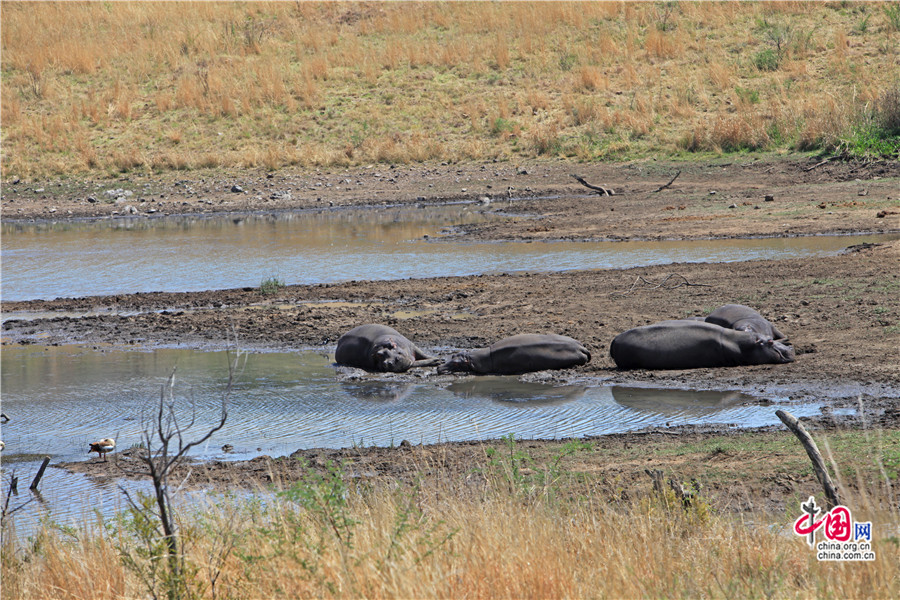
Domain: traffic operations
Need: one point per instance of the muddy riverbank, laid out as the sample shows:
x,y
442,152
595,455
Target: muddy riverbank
x,y
728,198
842,313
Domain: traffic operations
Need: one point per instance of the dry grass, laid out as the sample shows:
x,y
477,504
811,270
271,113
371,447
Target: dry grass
x,y
457,540
93,87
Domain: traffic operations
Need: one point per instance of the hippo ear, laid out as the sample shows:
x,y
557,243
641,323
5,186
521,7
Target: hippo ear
x,y
393,342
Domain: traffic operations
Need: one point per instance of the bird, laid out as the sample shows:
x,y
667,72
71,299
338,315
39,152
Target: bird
x,y
102,447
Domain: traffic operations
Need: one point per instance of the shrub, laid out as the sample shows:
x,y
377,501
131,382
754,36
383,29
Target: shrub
x,y
270,286
767,60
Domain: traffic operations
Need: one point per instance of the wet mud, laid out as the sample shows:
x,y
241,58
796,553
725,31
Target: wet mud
x,y
841,313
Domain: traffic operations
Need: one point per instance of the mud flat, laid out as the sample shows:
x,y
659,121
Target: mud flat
x,y
841,313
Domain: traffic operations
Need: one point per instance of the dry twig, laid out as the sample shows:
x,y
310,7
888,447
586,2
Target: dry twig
x,y
661,284
662,187
600,190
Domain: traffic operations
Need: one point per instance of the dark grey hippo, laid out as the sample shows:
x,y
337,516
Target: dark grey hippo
x,y
521,353
743,318
693,345
380,348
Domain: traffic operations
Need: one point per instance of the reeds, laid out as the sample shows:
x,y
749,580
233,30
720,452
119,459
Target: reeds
x,y
127,71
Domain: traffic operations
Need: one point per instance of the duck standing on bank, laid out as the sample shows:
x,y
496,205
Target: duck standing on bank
x,y
102,447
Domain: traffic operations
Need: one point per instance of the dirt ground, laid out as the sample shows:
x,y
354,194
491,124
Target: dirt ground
x,y
841,313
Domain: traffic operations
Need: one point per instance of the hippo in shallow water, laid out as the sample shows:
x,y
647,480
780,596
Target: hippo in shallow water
x,y
694,344
521,353
743,318
380,348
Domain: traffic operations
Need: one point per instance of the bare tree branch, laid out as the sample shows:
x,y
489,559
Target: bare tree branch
x,y
662,187
600,190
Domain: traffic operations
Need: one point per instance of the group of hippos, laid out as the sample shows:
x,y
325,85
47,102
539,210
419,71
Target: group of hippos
x,y
732,335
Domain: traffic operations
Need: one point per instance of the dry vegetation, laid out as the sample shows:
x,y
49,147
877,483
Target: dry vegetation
x,y
104,87
497,537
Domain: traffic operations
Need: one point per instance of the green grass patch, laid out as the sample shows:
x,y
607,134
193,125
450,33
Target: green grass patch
x,y
271,286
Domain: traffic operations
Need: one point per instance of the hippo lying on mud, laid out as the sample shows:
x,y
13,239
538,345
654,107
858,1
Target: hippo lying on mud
x,y
380,348
743,318
522,353
689,344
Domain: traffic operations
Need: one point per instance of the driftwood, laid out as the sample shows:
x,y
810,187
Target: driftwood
x,y
817,165
656,286
831,491
662,187
600,190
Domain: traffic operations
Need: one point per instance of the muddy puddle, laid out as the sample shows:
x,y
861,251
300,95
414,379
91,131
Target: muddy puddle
x,y
61,398
176,254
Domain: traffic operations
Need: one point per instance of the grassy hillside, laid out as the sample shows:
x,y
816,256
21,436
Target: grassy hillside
x,y
96,88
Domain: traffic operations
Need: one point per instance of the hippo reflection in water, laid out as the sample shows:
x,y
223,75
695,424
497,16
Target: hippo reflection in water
x,y
512,391
674,402
378,391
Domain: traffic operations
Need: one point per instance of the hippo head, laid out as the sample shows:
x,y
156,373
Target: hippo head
x,y
389,357
766,350
460,362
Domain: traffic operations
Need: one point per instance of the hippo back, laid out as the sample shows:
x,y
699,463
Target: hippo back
x,y
743,318
690,344
529,352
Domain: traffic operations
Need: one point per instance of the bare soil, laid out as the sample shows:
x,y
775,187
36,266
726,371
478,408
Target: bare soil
x,y
841,313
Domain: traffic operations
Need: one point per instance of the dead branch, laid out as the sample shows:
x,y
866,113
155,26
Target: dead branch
x,y
600,190
662,187
817,165
662,284
792,423
164,437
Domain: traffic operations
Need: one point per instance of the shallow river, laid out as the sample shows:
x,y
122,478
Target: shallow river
x,y
176,254
61,398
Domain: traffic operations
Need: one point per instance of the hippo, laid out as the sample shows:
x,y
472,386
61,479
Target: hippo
x,y
743,318
523,353
689,344
380,348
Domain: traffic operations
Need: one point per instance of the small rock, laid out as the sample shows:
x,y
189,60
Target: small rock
x,y
91,199
863,193
770,198
237,189
732,206
713,192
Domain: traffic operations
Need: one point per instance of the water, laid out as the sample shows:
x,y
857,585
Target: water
x,y
61,398
74,259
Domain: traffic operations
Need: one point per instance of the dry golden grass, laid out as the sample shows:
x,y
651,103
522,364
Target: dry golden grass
x,y
77,75
463,540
